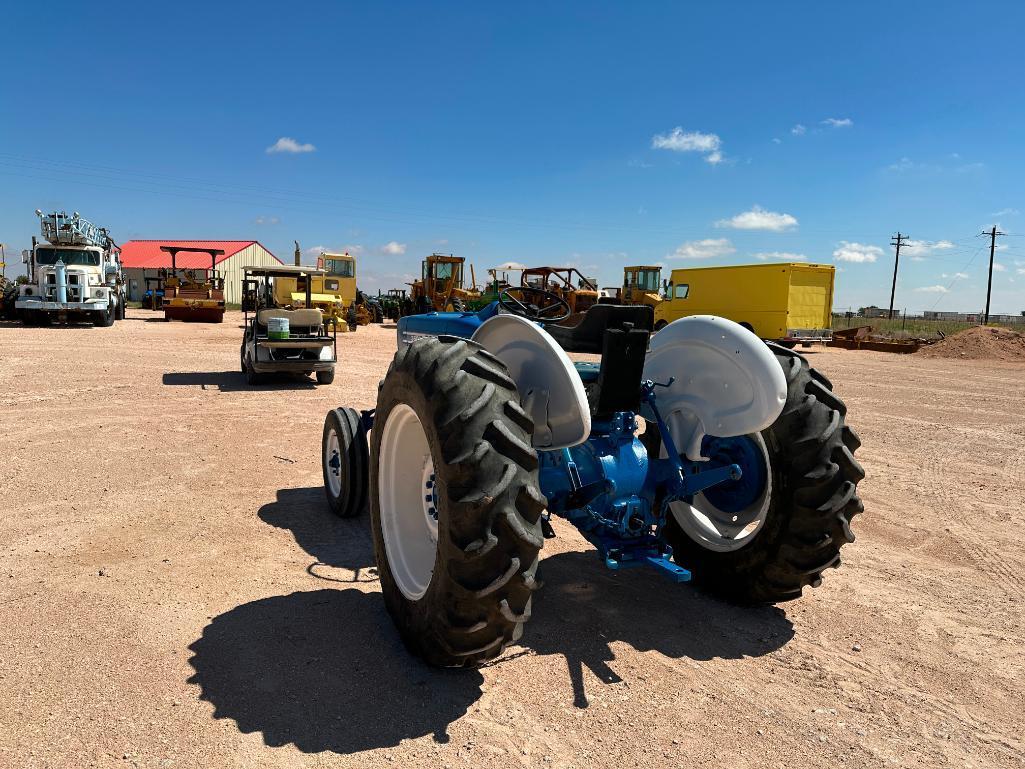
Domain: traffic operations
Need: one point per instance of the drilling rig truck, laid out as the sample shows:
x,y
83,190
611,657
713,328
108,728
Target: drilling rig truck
x,y
75,275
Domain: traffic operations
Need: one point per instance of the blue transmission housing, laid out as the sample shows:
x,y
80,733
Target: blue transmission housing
x,y
610,487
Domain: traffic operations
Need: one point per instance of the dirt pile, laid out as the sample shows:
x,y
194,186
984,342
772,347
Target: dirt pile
x,y
979,343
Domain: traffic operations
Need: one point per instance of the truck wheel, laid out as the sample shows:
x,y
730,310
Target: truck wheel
x,y
106,317
454,504
796,524
325,377
345,462
660,325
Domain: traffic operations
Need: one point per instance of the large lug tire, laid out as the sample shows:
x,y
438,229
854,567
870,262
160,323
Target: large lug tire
x,y
345,458
456,305
811,501
325,377
455,505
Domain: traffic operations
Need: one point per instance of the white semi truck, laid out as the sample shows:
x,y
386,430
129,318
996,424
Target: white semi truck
x,y
75,275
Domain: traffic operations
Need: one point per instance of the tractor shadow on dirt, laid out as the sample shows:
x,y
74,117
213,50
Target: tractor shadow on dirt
x,y
234,381
584,608
342,547
324,670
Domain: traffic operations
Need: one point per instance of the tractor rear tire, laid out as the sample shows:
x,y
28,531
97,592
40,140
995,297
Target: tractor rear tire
x,y
814,478
457,305
468,594
345,461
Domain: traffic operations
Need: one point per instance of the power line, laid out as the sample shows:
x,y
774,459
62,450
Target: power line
x,y
896,240
957,277
989,285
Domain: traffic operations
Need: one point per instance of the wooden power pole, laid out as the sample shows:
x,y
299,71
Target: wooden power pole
x,y
897,240
989,284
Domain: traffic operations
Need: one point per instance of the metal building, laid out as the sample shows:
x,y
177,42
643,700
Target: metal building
x,y
142,258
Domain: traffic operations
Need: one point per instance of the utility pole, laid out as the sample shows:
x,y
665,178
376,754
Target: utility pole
x,y
989,285
896,240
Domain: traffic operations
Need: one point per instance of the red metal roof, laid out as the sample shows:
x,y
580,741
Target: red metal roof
x,y
147,253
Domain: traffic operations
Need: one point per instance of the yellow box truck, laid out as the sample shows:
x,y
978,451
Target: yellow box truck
x,y
789,302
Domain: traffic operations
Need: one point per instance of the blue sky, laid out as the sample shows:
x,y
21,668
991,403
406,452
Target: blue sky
x,y
591,134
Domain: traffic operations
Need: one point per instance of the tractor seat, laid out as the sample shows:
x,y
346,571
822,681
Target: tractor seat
x,y
305,319
588,335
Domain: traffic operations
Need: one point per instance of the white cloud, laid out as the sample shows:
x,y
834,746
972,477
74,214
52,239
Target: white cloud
x,y
799,130
783,256
932,290
847,251
997,267
957,275
776,140
759,219
267,220
286,144
511,266
1020,270
918,250
350,248
842,122
1005,212
703,249
905,164
394,248
678,140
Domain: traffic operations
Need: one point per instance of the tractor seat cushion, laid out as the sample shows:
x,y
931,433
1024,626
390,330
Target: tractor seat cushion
x,y
588,335
306,318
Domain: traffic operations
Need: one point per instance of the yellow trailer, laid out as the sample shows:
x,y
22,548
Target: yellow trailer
x,y
790,302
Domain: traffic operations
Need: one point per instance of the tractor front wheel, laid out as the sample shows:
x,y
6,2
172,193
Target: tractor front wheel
x,y
791,530
345,458
454,503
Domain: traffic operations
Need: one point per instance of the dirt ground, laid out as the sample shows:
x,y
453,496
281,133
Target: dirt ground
x,y
174,592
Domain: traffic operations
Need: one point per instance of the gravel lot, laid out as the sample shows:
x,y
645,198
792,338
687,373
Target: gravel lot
x,y
173,591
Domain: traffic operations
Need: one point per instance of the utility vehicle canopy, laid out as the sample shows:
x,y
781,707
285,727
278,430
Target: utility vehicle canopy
x,y
284,271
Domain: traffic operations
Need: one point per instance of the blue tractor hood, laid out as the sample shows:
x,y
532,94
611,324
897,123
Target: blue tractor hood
x,y
460,324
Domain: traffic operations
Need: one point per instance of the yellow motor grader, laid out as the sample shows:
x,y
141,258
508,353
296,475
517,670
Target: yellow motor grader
x,y
441,286
641,286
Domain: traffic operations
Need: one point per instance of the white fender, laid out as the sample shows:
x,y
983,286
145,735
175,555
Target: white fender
x,y
551,391
728,382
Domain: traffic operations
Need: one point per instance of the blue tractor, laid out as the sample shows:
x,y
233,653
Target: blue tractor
x,y
699,451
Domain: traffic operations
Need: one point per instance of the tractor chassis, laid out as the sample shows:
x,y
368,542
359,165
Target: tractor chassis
x,y
616,494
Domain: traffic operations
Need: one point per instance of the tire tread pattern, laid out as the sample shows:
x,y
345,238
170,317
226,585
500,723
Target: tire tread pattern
x,y
489,502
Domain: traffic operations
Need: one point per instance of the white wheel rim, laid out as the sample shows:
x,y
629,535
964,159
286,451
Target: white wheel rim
x,y
406,496
333,463
702,527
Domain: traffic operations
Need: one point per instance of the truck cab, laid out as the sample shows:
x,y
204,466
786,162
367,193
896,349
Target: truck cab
x,y
77,273
640,286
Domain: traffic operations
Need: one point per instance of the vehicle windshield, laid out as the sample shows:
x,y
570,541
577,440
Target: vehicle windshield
x,y
647,280
343,268
443,270
69,256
